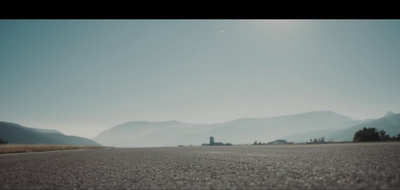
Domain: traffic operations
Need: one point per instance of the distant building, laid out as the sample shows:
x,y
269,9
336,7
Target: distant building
x,y
213,143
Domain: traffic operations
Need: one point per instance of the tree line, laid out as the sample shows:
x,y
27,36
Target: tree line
x,y
315,140
373,134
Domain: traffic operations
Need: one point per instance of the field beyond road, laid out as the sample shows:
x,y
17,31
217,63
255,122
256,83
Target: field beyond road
x,y
319,166
20,148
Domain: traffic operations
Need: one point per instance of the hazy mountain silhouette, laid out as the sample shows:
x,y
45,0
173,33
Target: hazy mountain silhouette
x,y
390,123
240,131
389,113
47,130
143,133
17,134
268,129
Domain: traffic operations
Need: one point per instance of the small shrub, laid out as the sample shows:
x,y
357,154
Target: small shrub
x,y
3,141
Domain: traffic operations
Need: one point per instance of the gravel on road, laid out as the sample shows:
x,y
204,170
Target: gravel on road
x,y
317,166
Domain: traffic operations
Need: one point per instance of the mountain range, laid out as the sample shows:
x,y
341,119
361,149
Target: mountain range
x,y
17,134
293,128
390,123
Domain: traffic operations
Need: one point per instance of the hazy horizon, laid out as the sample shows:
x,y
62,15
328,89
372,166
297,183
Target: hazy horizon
x,y
84,76
95,133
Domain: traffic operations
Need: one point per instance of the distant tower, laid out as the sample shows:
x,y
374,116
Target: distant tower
x,y
211,140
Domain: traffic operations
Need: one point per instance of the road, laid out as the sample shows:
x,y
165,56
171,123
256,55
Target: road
x,y
342,166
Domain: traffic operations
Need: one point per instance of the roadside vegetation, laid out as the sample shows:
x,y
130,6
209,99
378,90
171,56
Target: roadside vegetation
x,y
20,148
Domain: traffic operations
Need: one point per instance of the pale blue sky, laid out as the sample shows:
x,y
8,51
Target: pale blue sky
x,y
84,76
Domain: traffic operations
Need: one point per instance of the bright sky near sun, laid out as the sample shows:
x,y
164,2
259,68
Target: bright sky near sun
x,y
83,76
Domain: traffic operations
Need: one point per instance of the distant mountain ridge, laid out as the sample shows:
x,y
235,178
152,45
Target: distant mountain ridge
x,y
17,134
47,130
240,131
390,122
292,128
143,133
389,113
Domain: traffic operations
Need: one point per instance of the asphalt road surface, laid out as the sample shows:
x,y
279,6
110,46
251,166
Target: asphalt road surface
x,y
339,166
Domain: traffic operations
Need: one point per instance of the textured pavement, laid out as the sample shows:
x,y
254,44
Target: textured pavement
x,y
328,166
